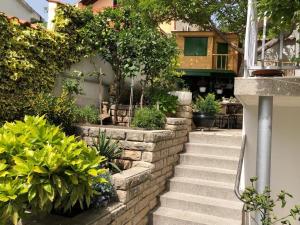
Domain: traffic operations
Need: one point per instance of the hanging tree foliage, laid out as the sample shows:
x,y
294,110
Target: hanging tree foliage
x,y
119,35
222,15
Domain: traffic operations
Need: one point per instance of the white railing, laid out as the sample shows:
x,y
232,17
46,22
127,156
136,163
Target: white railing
x,y
224,61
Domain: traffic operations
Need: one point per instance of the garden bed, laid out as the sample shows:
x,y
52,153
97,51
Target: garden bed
x,y
150,157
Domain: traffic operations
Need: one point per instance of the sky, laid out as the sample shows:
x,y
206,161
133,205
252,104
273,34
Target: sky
x,y
39,5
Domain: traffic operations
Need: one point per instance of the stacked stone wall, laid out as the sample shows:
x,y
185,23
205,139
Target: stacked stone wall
x,y
186,111
150,157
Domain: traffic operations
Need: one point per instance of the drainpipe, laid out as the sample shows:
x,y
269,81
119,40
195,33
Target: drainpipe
x,y
52,5
264,144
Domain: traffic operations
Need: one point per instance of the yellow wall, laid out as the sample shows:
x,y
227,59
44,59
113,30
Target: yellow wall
x,y
167,27
206,62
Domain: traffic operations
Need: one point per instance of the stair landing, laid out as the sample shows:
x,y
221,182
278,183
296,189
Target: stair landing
x,y
202,189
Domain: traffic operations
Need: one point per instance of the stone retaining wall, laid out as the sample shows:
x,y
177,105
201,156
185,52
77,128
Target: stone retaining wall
x,y
122,114
150,157
186,111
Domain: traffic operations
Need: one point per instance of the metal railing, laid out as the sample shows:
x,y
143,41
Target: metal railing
x,y
245,214
288,67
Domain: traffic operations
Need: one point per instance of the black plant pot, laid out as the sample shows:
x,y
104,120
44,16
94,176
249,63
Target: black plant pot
x,y
203,120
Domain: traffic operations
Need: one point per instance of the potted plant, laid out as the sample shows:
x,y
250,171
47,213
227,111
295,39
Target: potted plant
x,y
184,96
205,110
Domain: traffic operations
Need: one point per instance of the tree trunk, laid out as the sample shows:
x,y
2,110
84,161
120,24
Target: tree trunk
x,y
100,96
143,84
130,102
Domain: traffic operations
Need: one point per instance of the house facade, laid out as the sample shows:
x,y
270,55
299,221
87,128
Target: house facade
x,y
20,9
208,62
97,5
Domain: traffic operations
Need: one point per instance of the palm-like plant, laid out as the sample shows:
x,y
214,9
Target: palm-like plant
x,y
108,148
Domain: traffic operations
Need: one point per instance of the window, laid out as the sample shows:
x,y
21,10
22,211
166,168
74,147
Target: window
x,y
195,46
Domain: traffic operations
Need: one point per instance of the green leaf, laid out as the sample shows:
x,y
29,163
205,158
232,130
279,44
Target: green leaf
x,y
15,218
31,194
93,172
74,179
3,198
39,169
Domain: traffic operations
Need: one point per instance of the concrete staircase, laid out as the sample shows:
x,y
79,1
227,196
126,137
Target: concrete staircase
x,y
202,190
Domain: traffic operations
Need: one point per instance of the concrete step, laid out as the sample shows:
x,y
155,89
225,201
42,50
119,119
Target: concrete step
x,y
217,138
167,216
212,149
203,205
203,187
222,162
205,173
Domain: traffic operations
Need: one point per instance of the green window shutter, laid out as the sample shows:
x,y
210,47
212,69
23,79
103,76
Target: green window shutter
x,y
195,46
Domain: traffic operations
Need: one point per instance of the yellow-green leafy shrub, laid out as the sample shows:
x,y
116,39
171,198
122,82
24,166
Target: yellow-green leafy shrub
x,y
42,169
58,110
31,58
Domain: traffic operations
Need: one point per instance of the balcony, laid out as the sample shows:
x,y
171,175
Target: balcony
x,y
225,62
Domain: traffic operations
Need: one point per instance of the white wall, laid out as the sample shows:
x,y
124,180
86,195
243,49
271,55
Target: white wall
x,y
183,26
90,85
285,150
18,9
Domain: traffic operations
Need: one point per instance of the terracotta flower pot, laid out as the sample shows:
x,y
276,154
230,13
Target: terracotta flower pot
x,y
267,73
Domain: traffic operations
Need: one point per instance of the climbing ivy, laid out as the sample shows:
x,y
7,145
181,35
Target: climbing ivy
x,y
31,57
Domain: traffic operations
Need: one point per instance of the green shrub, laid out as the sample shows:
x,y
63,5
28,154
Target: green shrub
x,y
88,114
61,111
208,105
42,169
149,118
167,103
108,148
264,205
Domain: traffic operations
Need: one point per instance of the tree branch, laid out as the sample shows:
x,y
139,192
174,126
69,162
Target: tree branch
x,y
268,45
223,36
274,42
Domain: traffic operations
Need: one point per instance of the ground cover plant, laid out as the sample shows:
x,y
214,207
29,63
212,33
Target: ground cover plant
x,y
42,169
149,118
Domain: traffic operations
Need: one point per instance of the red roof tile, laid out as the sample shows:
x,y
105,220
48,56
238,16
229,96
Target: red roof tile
x,y
21,22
